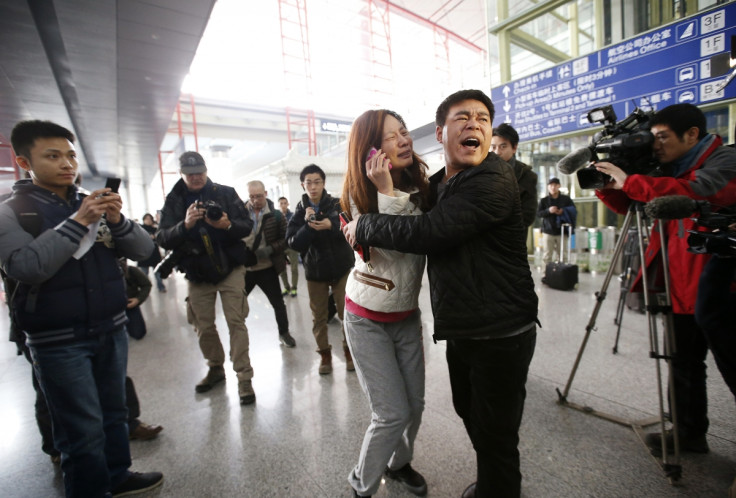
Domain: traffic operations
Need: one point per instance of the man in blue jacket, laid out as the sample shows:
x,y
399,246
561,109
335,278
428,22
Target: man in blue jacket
x,y
59,249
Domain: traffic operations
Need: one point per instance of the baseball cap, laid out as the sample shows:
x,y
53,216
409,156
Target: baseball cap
x,y
554,179
191,163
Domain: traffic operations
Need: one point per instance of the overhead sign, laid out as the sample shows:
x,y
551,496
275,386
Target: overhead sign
x,y
682,62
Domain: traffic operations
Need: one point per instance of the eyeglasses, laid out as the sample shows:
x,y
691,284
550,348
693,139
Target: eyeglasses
x,y
316,183
257,196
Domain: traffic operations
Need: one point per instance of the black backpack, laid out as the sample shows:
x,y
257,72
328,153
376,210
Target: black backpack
x,y
31,221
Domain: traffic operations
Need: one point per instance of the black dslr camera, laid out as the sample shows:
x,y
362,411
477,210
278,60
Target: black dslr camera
x,y
626,144
213,210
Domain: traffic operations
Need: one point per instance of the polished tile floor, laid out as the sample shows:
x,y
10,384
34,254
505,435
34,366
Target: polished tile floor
x,y
302,436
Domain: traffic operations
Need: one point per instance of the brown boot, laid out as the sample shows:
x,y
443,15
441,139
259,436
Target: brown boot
x,y
325,366
348,359
214,375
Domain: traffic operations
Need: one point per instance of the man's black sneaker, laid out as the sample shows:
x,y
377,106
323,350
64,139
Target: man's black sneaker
x,y
469,491
410,478
138,482
696,444
356,495
287,340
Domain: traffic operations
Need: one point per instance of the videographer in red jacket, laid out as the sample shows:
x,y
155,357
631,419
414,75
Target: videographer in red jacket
x,y
697,165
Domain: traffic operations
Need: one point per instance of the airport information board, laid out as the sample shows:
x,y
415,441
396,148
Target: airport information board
x,y
681,62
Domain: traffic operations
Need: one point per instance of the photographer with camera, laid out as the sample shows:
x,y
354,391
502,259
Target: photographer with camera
x,y
203,224
314,231
695,164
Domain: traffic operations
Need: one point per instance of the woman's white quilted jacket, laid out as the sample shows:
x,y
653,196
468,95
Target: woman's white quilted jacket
x,y
403,269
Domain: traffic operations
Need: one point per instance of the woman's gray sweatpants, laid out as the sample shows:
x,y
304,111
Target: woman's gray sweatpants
x,y
389,361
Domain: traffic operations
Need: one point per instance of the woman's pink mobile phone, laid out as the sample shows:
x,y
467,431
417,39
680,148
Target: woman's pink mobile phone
x,y
372,153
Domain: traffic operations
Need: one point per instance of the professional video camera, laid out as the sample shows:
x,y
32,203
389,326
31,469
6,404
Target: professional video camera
x,y
627,144
213,210
720,240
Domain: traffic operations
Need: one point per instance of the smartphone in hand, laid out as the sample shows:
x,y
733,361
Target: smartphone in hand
x,y
113,184
372,153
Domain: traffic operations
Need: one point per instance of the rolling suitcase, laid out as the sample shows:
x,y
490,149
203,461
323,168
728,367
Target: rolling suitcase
x,y
561,275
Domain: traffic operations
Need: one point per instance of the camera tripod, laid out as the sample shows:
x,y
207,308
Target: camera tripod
x,y
670,464
630,254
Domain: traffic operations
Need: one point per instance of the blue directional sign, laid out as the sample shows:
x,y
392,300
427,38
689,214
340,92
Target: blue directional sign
x,y
681,62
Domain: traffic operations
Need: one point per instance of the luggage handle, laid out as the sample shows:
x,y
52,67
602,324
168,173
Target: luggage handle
x,y
562,244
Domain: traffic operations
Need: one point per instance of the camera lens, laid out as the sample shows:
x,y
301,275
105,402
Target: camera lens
x,y
214,213
312,217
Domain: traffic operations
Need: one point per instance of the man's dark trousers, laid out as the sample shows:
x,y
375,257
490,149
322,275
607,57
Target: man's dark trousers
x,y
688,372
268,280
488,378
714,314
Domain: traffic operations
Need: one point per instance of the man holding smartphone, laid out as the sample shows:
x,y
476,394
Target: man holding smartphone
x,y
314,231
59,249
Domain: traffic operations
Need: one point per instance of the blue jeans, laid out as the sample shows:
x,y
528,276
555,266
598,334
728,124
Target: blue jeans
x,y
84,384
159,281
488,382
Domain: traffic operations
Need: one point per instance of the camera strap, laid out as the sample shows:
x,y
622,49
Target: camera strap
x,y
209,248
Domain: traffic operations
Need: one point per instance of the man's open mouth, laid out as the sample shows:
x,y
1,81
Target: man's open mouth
x,y
471,142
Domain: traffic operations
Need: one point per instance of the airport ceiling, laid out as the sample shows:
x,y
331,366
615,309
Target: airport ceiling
x,y
112,70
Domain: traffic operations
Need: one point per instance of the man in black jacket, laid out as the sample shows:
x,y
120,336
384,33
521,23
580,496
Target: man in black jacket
x,y
267,241
482,290
314,231
555,210
504,143
203,224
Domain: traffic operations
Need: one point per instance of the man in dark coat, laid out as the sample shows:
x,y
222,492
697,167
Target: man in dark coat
x,y
203,224
482,290
504,143
267,241
314,231
555,210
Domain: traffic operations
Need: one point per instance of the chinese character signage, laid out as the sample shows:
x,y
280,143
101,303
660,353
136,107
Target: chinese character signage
x,y
681,62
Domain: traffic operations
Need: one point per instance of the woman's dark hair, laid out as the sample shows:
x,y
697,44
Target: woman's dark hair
x,y
367,132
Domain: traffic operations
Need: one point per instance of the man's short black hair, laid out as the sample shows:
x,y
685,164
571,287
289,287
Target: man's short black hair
x,y
283,198
505,130
308,170
680,118
25,133
444,108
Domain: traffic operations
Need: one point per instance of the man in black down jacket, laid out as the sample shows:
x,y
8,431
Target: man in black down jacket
x,y
482,290
314,231
211,268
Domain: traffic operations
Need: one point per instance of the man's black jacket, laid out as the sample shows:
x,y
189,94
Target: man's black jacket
x,y
481,285
326,254
195,261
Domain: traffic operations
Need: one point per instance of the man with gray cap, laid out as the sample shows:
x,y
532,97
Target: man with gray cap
x,y
203,224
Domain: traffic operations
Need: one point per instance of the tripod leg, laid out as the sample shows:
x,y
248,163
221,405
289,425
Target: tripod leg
x,y
619,317
671,466
600,297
